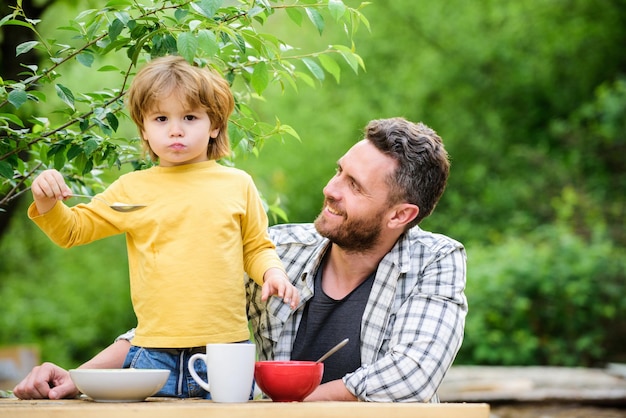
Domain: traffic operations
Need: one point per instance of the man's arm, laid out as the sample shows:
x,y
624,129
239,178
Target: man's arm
x,y
334,390
423,338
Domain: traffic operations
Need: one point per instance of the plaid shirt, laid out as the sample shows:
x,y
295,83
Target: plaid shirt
x,y
413,324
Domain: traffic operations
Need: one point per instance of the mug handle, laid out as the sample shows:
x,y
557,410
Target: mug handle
x,y
192,370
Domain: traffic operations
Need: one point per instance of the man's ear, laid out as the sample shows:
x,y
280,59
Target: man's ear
x,y
402,214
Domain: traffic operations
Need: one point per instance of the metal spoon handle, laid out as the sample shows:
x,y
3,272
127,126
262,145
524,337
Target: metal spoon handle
x,y
90,197
120,207
333,350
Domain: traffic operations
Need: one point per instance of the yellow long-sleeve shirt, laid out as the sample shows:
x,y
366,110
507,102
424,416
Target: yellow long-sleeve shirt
x,y
203,226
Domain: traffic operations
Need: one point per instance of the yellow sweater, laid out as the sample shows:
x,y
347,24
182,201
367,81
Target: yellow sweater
x,y
204,225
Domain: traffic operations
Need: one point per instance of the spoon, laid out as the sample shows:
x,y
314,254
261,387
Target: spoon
x,y
333,350
118,206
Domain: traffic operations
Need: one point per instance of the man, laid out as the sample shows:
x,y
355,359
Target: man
x,y
364,270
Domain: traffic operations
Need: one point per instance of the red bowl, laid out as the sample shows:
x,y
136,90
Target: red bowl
x,y
288,381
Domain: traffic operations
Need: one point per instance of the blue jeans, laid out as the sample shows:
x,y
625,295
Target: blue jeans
x,y
179,384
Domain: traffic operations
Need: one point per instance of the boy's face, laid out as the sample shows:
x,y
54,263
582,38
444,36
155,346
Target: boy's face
x,y
177,134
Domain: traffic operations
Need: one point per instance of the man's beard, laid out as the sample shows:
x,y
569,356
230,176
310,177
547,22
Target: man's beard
x,y
354,235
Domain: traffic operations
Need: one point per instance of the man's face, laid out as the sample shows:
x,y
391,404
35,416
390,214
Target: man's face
x,y
356,199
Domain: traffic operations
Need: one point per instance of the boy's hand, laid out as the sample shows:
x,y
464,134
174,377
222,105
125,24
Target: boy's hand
x,y
276,282
47,188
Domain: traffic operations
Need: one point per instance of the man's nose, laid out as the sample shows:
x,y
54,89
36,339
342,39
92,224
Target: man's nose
x,y
331,189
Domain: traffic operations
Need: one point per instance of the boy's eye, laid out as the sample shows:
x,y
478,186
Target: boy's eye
x,y
161,118
190,117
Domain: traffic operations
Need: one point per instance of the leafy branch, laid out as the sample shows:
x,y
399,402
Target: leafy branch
x,y
77,132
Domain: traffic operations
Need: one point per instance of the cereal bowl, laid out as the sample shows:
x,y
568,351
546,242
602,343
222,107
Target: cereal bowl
x,y
119,385
288,381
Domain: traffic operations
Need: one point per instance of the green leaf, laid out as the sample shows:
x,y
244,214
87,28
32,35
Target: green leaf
x,y
279,212
25,47
12,118
44,154
306,78
207,8
36,96
207,42
315,69
90,146
115,28
118,4
65,94
74,151
85,58
336,9
353,60
108,68
180,14
287,129
17,23
187,45
57,147
164,45
81,163
17,98
6,170
114,123
295,15
316,18
84,124
260,77
5,19
330,65
59,160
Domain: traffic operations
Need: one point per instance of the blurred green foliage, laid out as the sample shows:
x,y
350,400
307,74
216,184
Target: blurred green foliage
x,y
530,99
549,297
72,303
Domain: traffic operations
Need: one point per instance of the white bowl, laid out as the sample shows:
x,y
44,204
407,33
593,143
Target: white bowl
x,y
119,385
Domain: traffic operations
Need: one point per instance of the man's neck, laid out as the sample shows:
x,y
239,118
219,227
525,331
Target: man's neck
x,y
344,271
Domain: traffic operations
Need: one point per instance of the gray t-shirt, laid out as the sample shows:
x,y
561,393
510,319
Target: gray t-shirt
x,y
325,322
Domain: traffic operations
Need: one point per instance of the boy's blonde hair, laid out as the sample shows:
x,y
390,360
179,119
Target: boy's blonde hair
x,y
195,86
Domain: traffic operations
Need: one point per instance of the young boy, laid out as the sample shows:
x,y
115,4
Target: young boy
x,y
202,227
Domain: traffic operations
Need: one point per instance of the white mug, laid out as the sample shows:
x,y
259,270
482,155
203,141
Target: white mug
x,y
230,371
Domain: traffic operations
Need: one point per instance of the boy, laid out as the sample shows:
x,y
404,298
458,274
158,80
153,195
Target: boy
x,y
202,227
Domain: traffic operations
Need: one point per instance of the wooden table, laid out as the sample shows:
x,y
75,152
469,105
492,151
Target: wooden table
x,y
197,408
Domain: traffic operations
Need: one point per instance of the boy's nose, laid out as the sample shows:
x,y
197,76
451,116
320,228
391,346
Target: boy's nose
x,y
176,130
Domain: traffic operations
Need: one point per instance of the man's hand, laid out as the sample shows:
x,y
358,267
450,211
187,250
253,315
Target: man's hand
x,y
276,282
53,382
46,381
